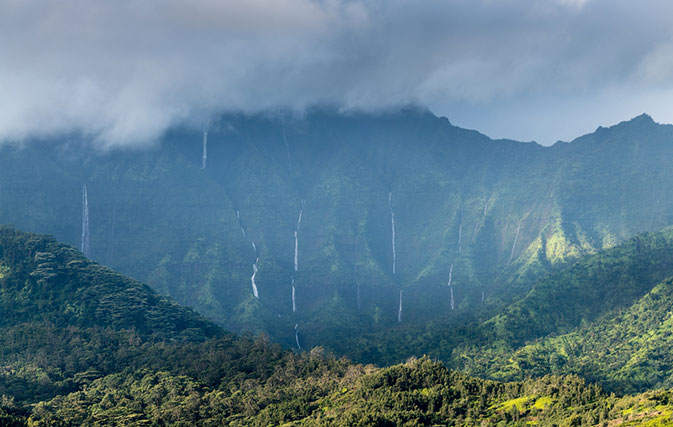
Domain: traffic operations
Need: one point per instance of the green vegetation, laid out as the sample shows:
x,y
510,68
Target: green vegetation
x,y
69,360
546,236
157,217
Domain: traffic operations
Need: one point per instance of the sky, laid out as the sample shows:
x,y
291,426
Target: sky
x,y
124,71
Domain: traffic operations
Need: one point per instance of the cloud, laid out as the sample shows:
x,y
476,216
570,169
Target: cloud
x,y
124,71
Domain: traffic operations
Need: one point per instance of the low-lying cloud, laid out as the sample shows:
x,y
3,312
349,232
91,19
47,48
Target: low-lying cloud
x,y
124,71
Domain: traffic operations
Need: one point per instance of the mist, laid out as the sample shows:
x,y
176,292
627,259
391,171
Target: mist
x,y
123,72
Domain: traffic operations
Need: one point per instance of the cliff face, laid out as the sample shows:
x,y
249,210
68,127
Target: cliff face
x,y
490,215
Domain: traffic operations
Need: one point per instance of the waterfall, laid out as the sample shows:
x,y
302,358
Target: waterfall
x,y
485,206
252,279
392,224
449,284
460,236
204,156
516,237
85,222
294,303
240,224
482,296
296,335
399,310
296,251
450,274
296,237
287,148
254,248
301,212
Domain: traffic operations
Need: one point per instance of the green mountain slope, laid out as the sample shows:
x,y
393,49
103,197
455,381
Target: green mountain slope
x,y
627,350
67,321
66,359
492,215
42,280
559,302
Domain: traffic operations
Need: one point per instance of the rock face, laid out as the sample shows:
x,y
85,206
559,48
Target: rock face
x,y
493,214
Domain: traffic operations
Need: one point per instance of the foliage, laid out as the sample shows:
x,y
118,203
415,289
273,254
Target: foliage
x,y
158,217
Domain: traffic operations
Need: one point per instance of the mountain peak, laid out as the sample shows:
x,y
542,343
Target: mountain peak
x,y
643,118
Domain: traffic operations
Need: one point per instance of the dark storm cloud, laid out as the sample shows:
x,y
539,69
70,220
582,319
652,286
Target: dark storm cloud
x,y
123,71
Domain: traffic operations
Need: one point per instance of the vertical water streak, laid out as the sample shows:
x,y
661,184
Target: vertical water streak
x,y
294,304
482,296
296,335
516,237
296,236
296,251
451,287
204,156
485,205
287,148
240,224
399,310
392,225
85,222
301,212
252,279
450,274
460,237
254,248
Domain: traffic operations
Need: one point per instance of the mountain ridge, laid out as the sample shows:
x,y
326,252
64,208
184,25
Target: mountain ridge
x,y
493,215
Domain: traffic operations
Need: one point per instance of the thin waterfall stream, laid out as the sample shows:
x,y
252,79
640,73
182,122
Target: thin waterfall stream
x,y
85,246
204,155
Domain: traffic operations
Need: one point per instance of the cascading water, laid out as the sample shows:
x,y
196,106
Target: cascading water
x,y
296,335
85,222
482,296
460,237
516,237
204,156
296,237
287,148
450,274
294,303
301,212
252,279
296,251
392,224
240,224
449,284
255,267
399,310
